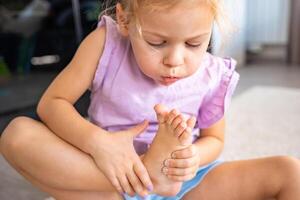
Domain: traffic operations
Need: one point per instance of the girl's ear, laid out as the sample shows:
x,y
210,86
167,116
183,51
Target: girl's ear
x,y
122,20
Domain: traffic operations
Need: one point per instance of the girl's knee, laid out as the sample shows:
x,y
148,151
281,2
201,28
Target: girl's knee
x,y
289,166
14,134
289,161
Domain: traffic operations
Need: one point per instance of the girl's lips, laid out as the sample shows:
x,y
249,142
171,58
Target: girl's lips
x,y
168,79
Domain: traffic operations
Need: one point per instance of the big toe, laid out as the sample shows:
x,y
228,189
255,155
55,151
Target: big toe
x,y
161,112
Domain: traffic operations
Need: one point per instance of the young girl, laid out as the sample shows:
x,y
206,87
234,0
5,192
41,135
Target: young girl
x,y
156,118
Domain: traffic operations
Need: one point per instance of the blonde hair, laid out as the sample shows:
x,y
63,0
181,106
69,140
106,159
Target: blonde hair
x,y
131,7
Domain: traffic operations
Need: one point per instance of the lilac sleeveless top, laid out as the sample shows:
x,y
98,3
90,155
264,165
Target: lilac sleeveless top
x,y
122,96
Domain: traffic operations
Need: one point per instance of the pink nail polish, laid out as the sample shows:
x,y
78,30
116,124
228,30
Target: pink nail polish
x,y
150,188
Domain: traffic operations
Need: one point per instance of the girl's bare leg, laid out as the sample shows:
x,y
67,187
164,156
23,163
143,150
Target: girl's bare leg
x,y
74,195
51,163
63,170
259,179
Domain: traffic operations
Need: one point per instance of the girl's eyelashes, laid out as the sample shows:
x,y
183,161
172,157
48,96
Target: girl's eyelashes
x,y
161,44
156,44
192,45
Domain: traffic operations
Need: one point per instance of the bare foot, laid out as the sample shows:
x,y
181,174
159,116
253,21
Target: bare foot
x,y
173,134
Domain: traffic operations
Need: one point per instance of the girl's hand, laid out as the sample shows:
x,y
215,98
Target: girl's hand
x,y
183,165
116,158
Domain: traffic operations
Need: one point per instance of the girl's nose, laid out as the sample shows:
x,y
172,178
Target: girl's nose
x,y
174,58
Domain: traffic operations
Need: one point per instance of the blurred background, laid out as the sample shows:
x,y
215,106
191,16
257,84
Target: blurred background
x,y
37,40
39,37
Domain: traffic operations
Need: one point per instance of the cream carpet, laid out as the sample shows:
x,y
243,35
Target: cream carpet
x,y
263,121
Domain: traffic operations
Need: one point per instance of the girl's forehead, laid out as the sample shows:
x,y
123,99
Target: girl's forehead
x,y
166,5
182,19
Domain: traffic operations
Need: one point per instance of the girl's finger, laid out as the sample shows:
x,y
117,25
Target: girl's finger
x,y
142,174
114,181
136,183
181,178
126,185
179,163
185,153
178,171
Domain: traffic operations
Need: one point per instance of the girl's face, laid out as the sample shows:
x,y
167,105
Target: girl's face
x,y
173,41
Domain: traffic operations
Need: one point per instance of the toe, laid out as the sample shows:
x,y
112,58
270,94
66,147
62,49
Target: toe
x,y
191,122
172,115
177,121
186,137
161,112
180,129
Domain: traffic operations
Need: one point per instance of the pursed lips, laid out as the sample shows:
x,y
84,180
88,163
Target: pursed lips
x,y
170,79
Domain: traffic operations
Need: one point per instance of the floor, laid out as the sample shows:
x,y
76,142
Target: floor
x,y
20,95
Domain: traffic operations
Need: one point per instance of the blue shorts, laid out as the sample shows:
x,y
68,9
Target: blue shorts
x,y
186,186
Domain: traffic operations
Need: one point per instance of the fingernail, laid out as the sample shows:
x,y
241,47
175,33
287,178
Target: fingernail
x,y
145,197
150,188
166,162
173,155
165,170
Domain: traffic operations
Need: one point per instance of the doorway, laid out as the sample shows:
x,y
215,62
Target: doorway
x,y
294,41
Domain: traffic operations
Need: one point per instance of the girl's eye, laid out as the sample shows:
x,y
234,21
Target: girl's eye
x,y
156,44
193,45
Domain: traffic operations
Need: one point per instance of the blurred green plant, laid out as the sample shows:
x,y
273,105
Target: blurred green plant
x,y
3,68
15,5
92,14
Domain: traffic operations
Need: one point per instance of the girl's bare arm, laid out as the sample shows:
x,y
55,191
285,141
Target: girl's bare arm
x,y
57,111
56,108
211,142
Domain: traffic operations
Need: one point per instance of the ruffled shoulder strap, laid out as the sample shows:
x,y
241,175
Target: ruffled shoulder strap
x,y
222,82
113,40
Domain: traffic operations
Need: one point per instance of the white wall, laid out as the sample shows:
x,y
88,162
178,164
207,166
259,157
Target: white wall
x,y
267,22
235,46
258,22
